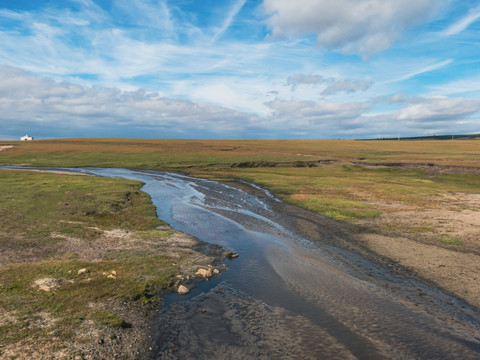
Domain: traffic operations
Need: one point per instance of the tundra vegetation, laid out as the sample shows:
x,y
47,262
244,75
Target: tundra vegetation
x,y
74,251
416,197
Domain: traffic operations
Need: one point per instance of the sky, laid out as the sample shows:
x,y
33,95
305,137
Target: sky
x,y
239,69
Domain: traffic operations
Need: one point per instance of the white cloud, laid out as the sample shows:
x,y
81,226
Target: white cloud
x,y
432,115
334,86
439,109
360,27
315,113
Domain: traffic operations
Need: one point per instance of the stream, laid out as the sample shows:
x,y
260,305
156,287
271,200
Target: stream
x,y
287,296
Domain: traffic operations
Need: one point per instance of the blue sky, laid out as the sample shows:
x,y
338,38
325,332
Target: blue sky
x,y
311,69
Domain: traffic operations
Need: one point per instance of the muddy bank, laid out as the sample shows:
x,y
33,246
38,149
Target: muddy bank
x,y
429,168
406,241
271,164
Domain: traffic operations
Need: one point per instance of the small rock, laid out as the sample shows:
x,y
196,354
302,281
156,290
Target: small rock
x,y
205,273
183,290
114,272
111,276
81,271
46,284
216,271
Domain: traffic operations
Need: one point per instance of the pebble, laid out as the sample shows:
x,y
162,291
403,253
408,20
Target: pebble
x,y
183,290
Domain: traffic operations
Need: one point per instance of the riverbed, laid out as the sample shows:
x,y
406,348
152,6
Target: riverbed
x,y
289,295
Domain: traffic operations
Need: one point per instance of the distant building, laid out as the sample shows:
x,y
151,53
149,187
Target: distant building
x,y
26,138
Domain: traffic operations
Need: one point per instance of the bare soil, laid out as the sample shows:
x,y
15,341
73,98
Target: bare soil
x,y
414,238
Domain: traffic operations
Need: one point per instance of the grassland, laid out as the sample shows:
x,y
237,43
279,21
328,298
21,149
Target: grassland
x,y
76,253
183,154
415,202
341,190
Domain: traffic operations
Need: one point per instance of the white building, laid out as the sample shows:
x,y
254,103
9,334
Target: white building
x,y
26,137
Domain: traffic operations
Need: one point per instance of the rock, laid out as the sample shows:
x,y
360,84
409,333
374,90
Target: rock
x,y
216,271
205,273
46,284
111,276
183,290
231,255
81,271
114,272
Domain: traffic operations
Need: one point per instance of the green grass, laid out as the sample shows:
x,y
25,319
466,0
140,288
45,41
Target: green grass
x,y
38,211
154,234
451,241
182,154
71,302
334,207
35,206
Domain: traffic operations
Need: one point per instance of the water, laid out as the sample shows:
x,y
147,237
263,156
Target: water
x,y
286,297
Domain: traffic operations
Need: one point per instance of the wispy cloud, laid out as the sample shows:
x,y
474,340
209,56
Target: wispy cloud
x,y
422,70
228,20
463,23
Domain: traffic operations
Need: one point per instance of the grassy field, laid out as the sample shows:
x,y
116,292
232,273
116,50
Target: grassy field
x,y
42,215
182,154
344,189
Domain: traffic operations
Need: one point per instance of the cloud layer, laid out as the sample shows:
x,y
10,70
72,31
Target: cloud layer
x,y
47,108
